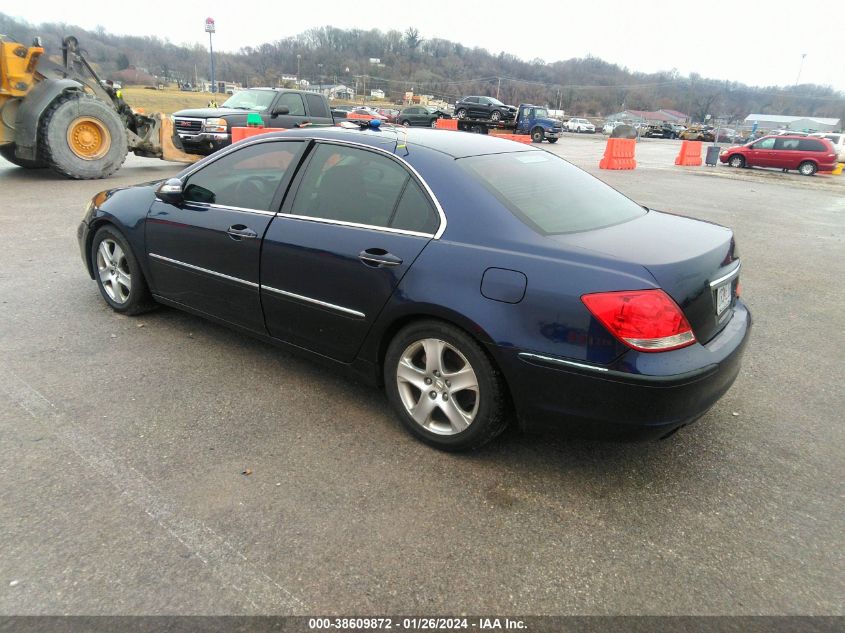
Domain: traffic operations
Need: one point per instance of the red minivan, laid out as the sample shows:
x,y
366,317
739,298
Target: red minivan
x,y
807,155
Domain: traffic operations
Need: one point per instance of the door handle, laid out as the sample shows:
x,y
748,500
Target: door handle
x,y
240,231
378,258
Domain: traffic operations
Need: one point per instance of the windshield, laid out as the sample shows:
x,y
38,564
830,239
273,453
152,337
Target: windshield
x,y
258,100
541,112
495,101
549,194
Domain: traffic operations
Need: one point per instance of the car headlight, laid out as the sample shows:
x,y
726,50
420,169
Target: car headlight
x,y
215,125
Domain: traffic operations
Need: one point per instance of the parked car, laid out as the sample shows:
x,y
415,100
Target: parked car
x,y
205,130
807,155
707,134
420,116
389,114
484,108
610,126
787,133
837,139
478,279
580,125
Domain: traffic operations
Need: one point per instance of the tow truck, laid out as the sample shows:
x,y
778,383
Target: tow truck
x,y
530,120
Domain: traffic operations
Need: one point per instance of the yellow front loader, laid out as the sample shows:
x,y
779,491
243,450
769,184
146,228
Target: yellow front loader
x,y
62,116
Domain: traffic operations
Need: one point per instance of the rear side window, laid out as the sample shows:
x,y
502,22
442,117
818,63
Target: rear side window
x,y
811,145
294,103
316,105
246,178
414,211
549,194
786,143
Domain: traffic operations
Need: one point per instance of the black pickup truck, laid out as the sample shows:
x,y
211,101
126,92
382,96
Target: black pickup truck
x,y
205,130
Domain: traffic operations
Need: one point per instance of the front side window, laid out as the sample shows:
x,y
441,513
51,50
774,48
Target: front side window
x,y
293,101
766,143
549,194
246,178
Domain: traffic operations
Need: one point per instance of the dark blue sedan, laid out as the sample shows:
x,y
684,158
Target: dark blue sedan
x,y
481,281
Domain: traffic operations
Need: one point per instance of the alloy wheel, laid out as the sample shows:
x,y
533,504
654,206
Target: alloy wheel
x,y
113,270
437,386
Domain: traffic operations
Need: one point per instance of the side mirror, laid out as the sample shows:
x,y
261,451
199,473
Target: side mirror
x,y
280,110
170,191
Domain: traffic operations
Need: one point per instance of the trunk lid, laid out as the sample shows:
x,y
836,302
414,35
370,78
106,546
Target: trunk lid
x,y
690,259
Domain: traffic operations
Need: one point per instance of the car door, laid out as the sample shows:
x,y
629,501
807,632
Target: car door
x,y
415,116
484,108
204,252
526,119
354,222
761,154
785,153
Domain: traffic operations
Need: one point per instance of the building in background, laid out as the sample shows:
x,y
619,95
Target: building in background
x,y
377,94
796,123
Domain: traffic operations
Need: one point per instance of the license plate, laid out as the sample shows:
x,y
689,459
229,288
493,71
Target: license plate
x,y
723,298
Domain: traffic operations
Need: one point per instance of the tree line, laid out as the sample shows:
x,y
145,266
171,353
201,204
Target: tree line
x,y
407,61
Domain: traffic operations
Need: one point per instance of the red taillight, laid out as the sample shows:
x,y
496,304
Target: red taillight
x,y
646,320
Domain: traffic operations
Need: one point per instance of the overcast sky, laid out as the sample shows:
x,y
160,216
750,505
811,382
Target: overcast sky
x,y
755,42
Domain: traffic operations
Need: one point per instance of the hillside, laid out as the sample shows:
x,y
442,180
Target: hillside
x,y
582,86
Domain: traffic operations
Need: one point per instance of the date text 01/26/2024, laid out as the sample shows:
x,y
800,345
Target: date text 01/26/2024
x,y
415,623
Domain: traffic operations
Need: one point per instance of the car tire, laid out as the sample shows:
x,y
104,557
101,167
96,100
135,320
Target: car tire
x,y
434,123
454,419
118,273
537,135
406,123
496,116
736,161
461,113
807,168
552,140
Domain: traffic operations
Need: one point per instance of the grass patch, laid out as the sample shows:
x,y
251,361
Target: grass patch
x,y
167,101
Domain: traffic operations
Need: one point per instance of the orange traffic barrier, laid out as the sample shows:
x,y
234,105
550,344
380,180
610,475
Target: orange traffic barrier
x,y
519,138
690,154
837,171
619,154
360,115
240,133
446,124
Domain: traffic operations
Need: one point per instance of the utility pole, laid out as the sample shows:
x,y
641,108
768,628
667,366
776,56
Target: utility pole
x,y
298,58
498,87
800,68
210,28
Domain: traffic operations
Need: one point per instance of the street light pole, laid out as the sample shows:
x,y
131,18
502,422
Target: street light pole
x,y
298,57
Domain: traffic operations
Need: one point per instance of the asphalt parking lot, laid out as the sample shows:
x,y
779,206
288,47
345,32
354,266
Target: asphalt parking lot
x,y
125,443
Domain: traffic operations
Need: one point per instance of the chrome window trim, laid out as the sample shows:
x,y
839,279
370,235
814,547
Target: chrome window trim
x,y
203,270
437,206
324,304
560,361
356,225
724,278
209,205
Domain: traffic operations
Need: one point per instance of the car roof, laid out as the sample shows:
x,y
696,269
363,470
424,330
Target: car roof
x,y
453,144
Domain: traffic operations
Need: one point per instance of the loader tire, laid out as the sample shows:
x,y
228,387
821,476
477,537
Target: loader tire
x,y
82,137
8,152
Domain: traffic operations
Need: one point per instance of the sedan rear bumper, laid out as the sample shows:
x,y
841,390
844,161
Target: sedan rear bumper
x,y
553,392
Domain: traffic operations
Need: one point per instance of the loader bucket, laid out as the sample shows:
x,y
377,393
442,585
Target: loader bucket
x,y
157,140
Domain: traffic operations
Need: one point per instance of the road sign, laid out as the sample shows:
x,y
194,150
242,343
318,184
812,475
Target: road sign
x,y
209,25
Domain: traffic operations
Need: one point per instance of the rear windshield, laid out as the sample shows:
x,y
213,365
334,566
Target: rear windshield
x,y
548,194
